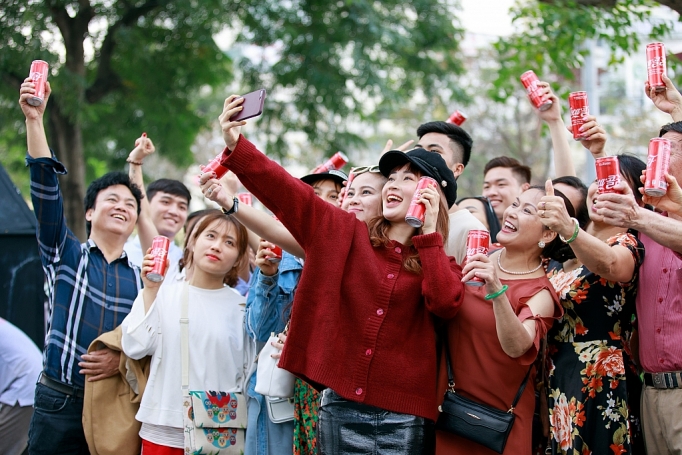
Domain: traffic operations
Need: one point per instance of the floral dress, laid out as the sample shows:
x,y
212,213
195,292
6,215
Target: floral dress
x,y
306,405
588,354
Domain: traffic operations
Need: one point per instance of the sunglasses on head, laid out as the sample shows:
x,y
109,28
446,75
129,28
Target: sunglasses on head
x,y
362,169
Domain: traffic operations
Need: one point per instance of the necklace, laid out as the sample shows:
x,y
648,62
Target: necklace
x,y
516,273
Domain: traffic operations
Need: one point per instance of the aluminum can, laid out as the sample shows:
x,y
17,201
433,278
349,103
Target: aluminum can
x,y
277,252
655,65
577,102
216,165
416,212
657,166
457,118
245,198
337,161
608,174
160,246
530,82
38,75
478,241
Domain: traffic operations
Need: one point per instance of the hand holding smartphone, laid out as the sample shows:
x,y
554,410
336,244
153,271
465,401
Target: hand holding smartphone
x,y
253,106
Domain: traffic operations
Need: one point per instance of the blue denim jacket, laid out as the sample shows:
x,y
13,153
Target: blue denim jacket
x,y
269,297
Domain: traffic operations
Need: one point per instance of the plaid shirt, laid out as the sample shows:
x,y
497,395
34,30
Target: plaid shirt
x,y
87,295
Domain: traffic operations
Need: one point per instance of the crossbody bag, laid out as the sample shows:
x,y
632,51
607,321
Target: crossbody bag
x,y
214,421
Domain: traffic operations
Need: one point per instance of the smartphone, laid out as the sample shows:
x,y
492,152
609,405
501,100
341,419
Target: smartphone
x,y
253,106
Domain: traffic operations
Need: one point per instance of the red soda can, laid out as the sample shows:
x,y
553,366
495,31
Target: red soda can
x,y
577,102
530,82
457,118
416,212
608,174
337,161
216,165
245,198
160,246
38,75
478,241
277,254
655,65
657,166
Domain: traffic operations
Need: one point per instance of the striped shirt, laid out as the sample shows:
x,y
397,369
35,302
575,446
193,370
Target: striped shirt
x,y
87,296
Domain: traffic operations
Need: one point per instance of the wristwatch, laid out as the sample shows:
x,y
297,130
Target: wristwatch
x,y
234,209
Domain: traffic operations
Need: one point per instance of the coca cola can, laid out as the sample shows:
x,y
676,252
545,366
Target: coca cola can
x,y
337,161
478,241
245,198
38,75
577,102
416,212
655,65
216,165
160,246
657,164
457,118
277,254
530,82
608,174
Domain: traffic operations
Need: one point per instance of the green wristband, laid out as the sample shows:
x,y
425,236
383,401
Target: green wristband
x,y
576,231
498,293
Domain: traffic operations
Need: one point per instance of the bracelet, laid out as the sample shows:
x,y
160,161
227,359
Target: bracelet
x,y
498,293
139,163
575,232
235,207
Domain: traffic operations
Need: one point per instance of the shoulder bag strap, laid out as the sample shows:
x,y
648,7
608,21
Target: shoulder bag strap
x,y
184,337
451,378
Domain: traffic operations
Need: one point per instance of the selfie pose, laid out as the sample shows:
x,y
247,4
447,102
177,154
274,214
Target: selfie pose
x,y
366,337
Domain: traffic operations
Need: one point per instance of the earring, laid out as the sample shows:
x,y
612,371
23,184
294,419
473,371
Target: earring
x,y
541,244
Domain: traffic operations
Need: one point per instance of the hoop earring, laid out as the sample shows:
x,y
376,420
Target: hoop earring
x,y
541,244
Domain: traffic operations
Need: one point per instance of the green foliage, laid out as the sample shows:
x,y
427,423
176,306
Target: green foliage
x,y
348,61
552,37
338,63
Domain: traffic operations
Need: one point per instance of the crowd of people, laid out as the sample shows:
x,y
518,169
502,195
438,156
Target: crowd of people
x,y
575,327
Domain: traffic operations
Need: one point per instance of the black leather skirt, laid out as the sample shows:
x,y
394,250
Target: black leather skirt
x,y
346,427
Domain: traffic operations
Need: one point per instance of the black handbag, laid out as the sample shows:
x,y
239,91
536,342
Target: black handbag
x,y
477,422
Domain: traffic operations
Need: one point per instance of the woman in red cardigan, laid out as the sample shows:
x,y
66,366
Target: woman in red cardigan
x,y
362,324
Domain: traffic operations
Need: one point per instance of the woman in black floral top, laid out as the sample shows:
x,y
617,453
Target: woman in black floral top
x,y
588,350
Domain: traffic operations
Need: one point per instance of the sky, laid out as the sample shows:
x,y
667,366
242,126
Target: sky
x,y
488,17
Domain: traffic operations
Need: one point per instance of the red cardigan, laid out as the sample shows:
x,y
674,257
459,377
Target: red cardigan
x,y
361,324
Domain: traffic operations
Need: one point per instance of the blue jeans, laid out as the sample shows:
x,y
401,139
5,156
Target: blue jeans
x,y
349,428
56,427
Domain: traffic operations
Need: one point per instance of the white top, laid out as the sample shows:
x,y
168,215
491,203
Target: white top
x,y
220,354
461,222
133,250
20,365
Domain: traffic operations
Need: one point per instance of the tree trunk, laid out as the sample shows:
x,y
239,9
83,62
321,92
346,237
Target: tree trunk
x,y
67,142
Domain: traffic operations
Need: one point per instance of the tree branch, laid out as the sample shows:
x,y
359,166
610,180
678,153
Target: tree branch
x,y
107,79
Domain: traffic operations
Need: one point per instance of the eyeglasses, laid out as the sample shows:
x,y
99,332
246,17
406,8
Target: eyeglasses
x,y
362,169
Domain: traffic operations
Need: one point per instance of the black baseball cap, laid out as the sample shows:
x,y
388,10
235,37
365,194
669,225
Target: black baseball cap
x,y
429,163
333,174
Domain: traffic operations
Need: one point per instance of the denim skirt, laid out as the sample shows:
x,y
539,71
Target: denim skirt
x,y
347,427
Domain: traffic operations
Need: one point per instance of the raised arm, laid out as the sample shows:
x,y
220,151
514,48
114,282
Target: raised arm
x,y
611,262
668,101
35,131
563,163
255,220
291,200
146,230
622,210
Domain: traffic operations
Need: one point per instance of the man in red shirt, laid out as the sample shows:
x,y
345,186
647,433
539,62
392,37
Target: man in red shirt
x,y
659,297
